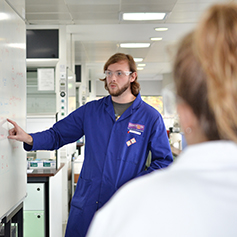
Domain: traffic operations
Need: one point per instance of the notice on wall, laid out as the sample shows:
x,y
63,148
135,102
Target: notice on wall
x,y
45,79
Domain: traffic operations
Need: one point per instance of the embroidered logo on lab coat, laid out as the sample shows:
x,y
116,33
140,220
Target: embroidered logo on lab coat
x,y
131,141
135,128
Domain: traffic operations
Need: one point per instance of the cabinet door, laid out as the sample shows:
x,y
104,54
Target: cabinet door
x,y
35,197
34,224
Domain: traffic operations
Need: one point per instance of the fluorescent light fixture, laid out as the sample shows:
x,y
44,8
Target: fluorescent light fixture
x,y
17,45
42,62
143,16
140,68
161,29
134,45
4,16
42,59
155,38
141,64
138,60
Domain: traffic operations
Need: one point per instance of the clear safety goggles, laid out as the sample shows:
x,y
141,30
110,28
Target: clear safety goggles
x,y
118,74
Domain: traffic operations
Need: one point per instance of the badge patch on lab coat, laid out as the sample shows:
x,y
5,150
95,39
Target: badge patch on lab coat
x,y
135,128
131,141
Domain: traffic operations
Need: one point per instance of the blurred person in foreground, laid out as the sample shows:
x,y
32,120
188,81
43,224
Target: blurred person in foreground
x,y
197,195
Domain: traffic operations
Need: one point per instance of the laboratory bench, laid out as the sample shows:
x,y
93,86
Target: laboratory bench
x,y
42,216
43,172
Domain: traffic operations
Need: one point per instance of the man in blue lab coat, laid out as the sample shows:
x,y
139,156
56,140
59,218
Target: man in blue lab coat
x,y
120,130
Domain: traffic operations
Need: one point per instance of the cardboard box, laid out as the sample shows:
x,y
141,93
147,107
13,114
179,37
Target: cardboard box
x,y
76,177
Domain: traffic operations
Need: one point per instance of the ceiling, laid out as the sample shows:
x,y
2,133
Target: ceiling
x,y
97,28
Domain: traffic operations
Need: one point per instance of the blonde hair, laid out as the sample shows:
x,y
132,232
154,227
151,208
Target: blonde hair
x,y
190,82
205,72
216,47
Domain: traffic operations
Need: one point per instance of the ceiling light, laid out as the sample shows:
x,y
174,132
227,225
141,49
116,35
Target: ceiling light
x,y
138,59
134,45
42,59
141,64
161,29
17,45
144,16
4,16
140,68
155,38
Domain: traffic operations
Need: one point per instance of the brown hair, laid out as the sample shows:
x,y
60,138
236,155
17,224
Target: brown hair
x,y
205,72
118,57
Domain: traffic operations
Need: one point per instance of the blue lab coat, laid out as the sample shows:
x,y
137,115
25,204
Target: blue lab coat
x,y
115,152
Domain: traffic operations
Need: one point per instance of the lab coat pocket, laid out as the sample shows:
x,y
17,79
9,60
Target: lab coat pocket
x,y
82,193
132,148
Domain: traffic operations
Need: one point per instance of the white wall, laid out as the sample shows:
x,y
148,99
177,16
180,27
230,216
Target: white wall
x,y
151,87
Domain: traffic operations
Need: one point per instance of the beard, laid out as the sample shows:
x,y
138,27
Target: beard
x,y
119,91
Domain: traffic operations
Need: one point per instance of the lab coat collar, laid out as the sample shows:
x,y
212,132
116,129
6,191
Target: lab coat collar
x,y
109,106
110,109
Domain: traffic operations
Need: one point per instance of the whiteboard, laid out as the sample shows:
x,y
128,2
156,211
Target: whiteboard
x,y
13,177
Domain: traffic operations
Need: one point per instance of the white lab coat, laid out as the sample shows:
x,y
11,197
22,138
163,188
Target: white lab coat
x,y
195,196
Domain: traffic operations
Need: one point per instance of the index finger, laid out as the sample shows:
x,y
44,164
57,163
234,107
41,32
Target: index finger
x,y
12,122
